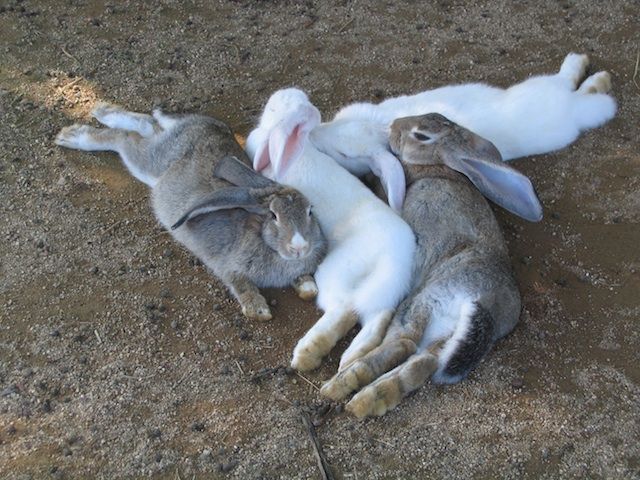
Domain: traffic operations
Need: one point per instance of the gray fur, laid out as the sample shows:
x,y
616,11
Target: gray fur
x,y
242,233
464,296
461,250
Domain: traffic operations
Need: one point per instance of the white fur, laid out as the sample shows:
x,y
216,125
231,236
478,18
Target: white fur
x,y
368,267
540,115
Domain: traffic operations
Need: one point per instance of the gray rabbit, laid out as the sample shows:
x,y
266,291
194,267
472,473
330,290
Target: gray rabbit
x,y
256,233
464,295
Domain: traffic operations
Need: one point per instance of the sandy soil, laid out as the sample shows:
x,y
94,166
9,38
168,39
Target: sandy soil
x,y
121,357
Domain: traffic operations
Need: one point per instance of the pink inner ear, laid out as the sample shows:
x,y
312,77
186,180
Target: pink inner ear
x,y
261,159
285,146
292,147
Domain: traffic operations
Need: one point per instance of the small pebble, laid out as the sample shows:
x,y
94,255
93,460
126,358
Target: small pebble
x,y
165,293
9,390
228,466
526,260
46,406
54,333
197,427
273,302
167,253
517,383
174,324
339,408
154,433
562,282
217,307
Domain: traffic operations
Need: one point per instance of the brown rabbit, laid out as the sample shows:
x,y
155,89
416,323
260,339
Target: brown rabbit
x,y
256,233
464,295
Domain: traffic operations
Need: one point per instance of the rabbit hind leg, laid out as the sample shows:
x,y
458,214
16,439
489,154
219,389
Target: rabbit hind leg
x,y
370,336
387,391
597,83
322,337
129,145
400,342
573,68
114,116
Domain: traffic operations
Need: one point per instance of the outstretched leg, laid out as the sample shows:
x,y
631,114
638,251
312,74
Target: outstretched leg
x,y
114,116
573,68
130,145
401,341
323,336
387,392
369,337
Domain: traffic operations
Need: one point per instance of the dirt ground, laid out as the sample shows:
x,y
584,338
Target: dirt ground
x,y
121,357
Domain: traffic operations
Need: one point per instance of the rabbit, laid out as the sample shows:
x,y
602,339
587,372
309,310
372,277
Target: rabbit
x,y
465,296
542,114
367,270
251,234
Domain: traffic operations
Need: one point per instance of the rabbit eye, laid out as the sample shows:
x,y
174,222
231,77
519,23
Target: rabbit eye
x,y
421,137
309,211
274,216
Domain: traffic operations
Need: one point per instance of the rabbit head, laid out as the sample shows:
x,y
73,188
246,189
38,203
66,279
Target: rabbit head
x,y
361,147
284,127
283,214
432,139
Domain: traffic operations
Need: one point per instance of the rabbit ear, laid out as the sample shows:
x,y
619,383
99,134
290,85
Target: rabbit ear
x,y
234,171
502,184
258,146
288,137
387,167
224,199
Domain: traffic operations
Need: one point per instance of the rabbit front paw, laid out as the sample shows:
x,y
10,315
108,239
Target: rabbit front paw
x,y
257,309
306,288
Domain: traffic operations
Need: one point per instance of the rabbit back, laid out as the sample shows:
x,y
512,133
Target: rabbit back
x,y
190,150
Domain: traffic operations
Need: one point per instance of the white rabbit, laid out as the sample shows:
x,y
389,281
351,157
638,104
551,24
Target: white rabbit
x,y
539,115
368,268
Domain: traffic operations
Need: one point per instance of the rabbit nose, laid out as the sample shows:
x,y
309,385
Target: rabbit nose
x,y
298,245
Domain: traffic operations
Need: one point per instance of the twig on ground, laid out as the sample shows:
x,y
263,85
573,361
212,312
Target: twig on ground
x,y
69,55
70,84
382,442
239,367
323,465
97,336
635,71
346,25
308,381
